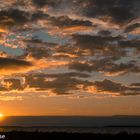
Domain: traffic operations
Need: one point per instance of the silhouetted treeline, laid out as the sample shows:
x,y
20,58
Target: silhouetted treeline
x,y
63,135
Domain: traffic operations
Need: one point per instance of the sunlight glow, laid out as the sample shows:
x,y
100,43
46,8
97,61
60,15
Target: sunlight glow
x,y
1,115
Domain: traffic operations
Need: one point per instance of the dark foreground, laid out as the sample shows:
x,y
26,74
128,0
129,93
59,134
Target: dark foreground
x,y
56,135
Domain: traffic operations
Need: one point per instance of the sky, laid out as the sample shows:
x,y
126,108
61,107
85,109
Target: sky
x,y
70,57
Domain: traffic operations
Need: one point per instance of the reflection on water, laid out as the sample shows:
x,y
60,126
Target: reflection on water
x,y
102,130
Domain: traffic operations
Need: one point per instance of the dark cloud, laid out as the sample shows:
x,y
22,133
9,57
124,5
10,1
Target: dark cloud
x,y
36,41
15,17
64,21
38,49
126,14
134,43
109,86
104,33
68,51
70,74
124,68
116,88
81,66
120,11
106,66
11,17
11,84
103,45
3,88
132,27
58,75
11,63
67,82
65,85
41,3
39,15
95,42
135,84
60,84
37,52
15,84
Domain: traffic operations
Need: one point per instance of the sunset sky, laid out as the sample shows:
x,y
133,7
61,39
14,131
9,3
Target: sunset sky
x,y
70,57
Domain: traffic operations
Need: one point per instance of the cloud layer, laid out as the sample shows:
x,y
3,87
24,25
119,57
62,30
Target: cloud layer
x,y
65,47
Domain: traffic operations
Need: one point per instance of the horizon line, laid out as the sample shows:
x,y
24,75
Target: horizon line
x,y
71,116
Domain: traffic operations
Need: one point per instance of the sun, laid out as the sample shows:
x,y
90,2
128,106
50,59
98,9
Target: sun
x,y
1,115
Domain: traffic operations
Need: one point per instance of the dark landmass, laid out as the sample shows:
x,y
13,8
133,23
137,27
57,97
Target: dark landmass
x,y
112,126
14,135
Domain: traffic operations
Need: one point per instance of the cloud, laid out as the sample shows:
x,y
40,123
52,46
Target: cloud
x,y
104,33
7,3
118,11
116,88
41,3
38,15
38,48
81,66
66,84
12,65
132,27
135,84
70,74
60,84
11,62
15,17
134,43
86,41
12,84
64,21
11,98
11,17
109,86
106,66
106,45
90,36
37,52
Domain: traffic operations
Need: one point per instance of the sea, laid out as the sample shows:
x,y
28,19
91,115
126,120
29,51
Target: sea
x,y
71,124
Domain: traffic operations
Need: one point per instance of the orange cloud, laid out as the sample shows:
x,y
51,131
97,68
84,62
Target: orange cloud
x,y
3,30
10,66
10,98
76,29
